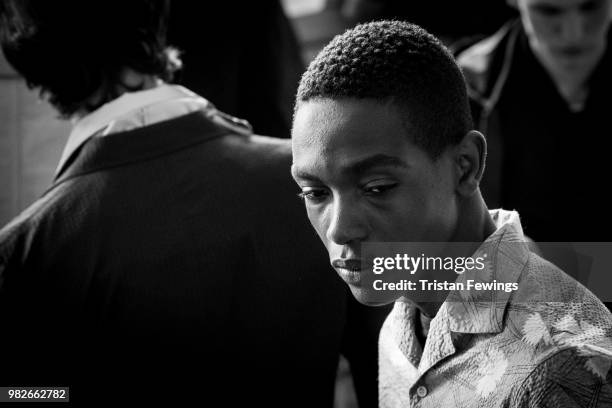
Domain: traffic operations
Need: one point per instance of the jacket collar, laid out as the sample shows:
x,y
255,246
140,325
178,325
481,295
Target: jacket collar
x,y
101,120
486,65
506,253
145,143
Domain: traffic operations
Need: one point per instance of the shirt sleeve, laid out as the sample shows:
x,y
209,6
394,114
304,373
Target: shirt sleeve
x,y
576,377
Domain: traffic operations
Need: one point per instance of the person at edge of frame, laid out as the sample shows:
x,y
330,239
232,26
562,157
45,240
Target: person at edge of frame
x,y
170,260
384,151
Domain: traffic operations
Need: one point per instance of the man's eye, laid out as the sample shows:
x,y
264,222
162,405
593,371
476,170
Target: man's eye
x,y
314,195
379,189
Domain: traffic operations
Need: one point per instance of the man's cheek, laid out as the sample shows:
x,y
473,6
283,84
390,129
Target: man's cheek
x,y
318,225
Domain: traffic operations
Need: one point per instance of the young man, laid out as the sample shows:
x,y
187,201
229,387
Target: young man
x,y
384,151
540,90
169,261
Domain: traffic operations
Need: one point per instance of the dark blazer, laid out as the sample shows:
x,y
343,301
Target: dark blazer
x,y
175,262
532,136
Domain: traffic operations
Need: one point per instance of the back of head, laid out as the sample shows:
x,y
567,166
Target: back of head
x,y
398,62
73,49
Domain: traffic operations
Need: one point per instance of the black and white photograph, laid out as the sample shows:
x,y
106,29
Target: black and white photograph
x,y
306,203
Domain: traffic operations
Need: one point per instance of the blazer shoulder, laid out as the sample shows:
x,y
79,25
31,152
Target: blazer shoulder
x,y
17,236
265,147
259,154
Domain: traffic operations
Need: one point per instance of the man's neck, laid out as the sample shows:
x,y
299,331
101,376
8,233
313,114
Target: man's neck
x,y
474,226
475,223
130,80
573,89
571,83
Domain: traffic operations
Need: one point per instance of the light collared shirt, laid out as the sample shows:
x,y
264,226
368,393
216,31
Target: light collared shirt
x,y
134,110
547,344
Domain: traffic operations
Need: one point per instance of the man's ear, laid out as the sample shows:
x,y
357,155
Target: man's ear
x,y
470,155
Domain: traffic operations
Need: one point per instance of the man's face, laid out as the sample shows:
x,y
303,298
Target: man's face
x,y
363,180
568,35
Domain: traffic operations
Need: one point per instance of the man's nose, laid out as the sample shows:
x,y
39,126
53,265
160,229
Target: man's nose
x,y
347,222
572,27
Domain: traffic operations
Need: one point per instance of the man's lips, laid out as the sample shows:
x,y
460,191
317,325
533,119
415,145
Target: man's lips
x,y
352,265
572,51
349,270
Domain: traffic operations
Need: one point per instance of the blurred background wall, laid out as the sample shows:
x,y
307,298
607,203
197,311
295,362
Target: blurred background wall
x,y
31,142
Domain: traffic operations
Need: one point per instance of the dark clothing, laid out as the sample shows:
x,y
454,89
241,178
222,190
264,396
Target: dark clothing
x,y
544,160
174,262
448,19
242,55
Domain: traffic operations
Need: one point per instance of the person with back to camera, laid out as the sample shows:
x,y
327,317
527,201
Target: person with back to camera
x,y
170,260
384,151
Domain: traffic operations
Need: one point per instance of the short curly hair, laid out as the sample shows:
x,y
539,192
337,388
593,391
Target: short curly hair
x,y
73,49
399,62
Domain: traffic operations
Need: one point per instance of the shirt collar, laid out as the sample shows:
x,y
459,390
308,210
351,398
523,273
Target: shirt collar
x,y
506,253
466,312
95,122
473,311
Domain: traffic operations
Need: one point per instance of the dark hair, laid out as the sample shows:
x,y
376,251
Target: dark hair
x,y
72,49
398,62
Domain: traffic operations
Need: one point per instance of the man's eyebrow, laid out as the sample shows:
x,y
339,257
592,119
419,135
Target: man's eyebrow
x,y
358,167
302,175
547,8
377,160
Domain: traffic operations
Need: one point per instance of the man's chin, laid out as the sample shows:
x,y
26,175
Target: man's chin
x,y
369,297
